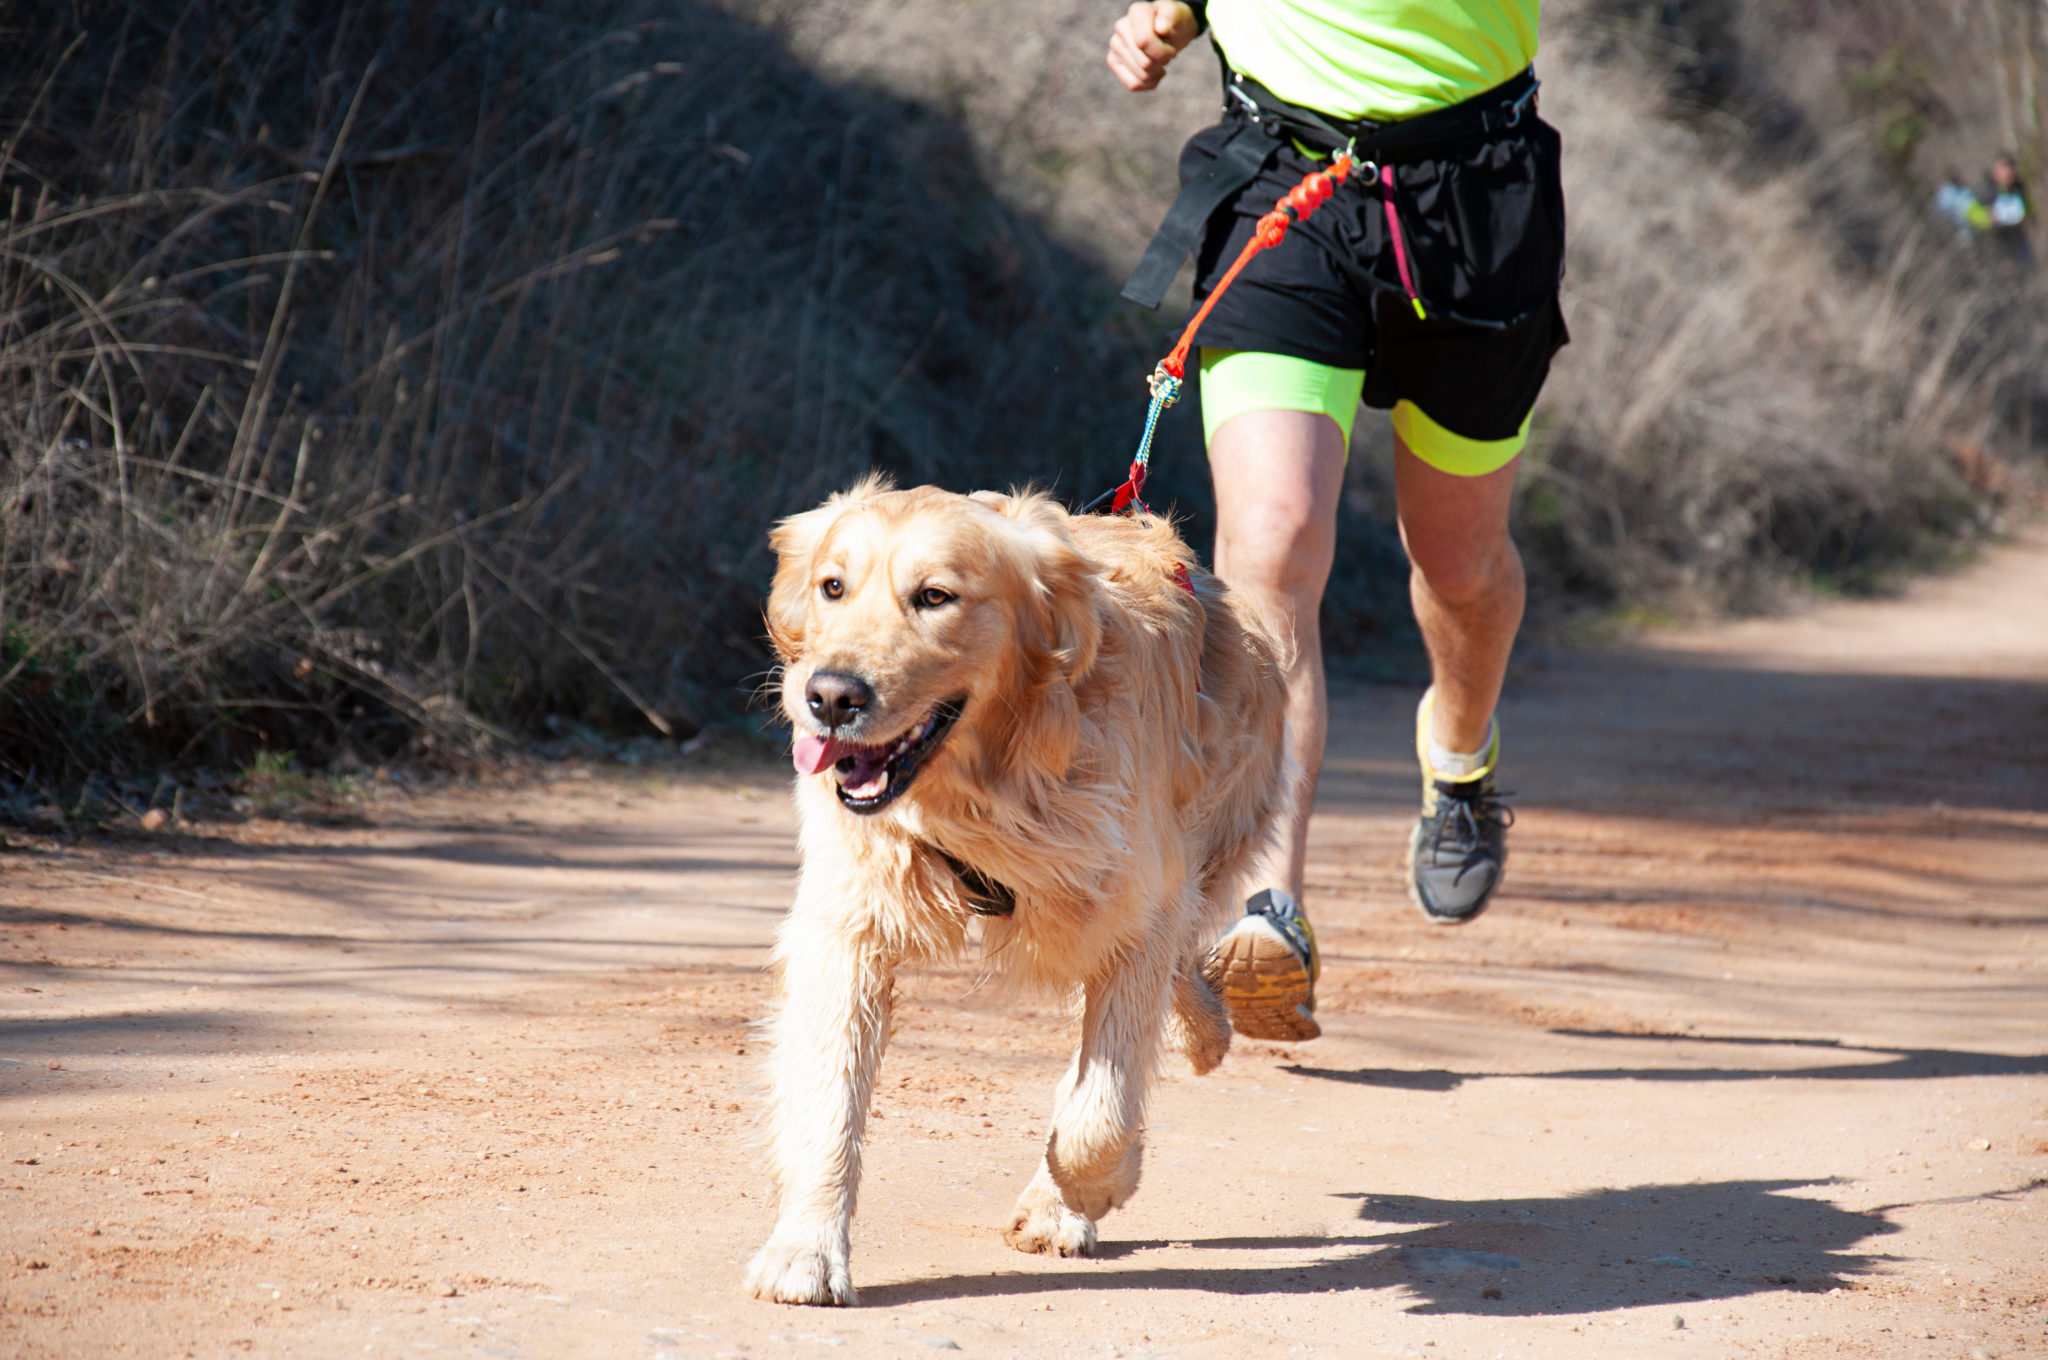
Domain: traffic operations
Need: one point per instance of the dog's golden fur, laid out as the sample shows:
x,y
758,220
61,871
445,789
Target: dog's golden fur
x,y
1115,765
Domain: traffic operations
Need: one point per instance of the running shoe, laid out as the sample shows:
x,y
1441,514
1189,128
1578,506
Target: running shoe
x,y
1460,847
1265,970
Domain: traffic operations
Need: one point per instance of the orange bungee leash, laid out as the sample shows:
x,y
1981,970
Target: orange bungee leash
x,y
1304,198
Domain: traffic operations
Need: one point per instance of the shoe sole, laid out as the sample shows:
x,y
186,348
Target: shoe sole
x,y
1264,984
1415,889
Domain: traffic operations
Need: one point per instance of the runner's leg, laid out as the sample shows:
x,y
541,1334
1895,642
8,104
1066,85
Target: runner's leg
x,y
1467,585
1278,474
1466,581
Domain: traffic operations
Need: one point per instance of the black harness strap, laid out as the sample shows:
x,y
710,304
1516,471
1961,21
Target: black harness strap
x,y
1235,166
985,896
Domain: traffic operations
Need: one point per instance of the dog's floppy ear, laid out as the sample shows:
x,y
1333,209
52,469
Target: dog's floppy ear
x,y
1065,582
1059,632
795,541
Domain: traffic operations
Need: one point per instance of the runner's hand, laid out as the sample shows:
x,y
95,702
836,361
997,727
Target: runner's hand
x,y
1151,34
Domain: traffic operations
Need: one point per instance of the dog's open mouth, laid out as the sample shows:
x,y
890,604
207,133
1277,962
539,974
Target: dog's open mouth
x,y
872,777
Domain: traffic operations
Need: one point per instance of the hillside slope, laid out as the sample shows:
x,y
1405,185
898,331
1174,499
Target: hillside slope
x,y
391,377
374,375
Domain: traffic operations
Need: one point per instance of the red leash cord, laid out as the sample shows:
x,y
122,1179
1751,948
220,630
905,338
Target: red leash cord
x,y
1304,198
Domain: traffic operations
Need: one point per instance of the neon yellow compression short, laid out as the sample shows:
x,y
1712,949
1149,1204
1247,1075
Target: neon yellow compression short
x,y
1235,381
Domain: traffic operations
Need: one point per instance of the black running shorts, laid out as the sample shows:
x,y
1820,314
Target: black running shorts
x,y
1483,226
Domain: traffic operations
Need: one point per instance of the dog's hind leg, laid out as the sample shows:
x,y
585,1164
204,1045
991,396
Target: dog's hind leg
x,y
1095,1149
1198,1027
827,1042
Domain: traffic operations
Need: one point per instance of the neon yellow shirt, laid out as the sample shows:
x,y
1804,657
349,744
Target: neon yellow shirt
x,y
1378,59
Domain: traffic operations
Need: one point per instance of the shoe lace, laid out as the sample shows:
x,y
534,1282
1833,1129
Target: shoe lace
x,y
1469,814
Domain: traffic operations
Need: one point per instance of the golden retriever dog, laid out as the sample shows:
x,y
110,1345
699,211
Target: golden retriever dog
x,y
1054,725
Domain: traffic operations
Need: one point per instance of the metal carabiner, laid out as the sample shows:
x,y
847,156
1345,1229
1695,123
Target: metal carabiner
x,y
1525,104
1251,105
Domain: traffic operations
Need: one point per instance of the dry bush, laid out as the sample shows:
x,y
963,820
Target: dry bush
x,y
380,370
1782,370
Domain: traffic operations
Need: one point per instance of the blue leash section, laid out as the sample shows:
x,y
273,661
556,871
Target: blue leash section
x,y
1165,392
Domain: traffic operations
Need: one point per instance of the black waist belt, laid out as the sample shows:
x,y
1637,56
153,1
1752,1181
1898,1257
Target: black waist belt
x,y
1264,120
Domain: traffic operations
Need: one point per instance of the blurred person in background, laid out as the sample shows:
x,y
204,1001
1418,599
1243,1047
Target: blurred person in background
x,y
1955,202
1426,286
2005,209
1998,212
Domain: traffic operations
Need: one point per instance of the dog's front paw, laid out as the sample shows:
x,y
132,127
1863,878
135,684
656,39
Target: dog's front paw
x,y
1043,1224
1093,1186
791,1270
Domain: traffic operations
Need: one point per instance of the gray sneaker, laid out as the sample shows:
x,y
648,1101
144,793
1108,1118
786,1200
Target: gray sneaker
x,y
1460,847
1459,850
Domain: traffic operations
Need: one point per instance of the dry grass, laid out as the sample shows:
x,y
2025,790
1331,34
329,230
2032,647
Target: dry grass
x,y
371,377
1750,401
381,377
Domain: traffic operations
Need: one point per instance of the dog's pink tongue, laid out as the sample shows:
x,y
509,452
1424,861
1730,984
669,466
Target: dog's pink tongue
x,y
813,754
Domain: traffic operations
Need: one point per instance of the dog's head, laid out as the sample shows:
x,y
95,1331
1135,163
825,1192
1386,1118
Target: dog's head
x,y
923,632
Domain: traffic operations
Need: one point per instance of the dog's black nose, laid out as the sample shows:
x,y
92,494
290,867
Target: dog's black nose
x,y
836,698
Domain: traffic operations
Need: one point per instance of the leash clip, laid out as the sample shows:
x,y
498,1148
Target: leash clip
x,y
1165,387
1524,104
1236,91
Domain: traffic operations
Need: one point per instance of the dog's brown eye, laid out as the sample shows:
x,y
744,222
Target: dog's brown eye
x,y
931,597
832,587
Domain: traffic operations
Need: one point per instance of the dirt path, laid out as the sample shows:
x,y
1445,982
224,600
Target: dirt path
x,y
1757,1039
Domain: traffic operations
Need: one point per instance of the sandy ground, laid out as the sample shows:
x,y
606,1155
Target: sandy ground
x,y
1750,1058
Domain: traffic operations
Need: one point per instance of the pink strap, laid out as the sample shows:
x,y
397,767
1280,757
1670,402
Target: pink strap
x,y
1400,246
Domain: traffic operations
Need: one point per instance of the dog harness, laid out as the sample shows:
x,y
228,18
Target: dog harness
x,y
984,895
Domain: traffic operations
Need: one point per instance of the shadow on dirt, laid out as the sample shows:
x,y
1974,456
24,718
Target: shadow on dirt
x,y
1595,1252
39,1052
769,852
1891,1064
43,1050
1661,734
427,952
99,1033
